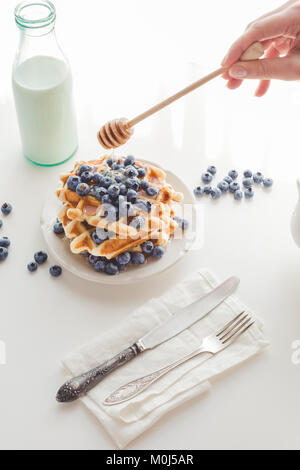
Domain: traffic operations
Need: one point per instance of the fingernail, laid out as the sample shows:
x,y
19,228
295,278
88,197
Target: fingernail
x,y
237,71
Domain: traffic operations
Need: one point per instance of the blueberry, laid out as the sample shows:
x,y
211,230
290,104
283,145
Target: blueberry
x,y
4,242
93,259
138,258
6,208
32,266
106,199
158,252
85,254
99,266
268,182
131,195
248,174
129,160
212,170
141,172
102,233
109,211
238,195
110,162
234,187
113,190
207,189
216,193
198,191
147,247
96,238
247,182
129,183
258,177
233,174
124,258
123,190
55,271
84,168
224,186
119,178
125,209
1,223
97,178
143,205
3,253
106,182
249,193
111,269
86,177
183,223
144,185
40,257
83,189
130,171
137,222
135,184
98,192
73,182
122,267
152,191
116,166
58,228
206,177
228,179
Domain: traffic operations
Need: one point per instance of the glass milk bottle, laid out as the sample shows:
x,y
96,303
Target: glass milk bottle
x,y
42,87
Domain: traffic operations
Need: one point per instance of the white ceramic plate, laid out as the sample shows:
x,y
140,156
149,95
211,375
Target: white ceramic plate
x,y
78,265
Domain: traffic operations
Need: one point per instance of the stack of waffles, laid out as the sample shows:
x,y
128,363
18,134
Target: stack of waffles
x,y
115,205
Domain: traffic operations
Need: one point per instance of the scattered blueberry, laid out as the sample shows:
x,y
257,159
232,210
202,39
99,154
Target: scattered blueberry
x,y
183,223
110,162
238,195
147,247
258,178
96,238
207,189
93,259
138,258
233,174
97,178
152,191
137,222
58,228
6,208
224,186
116,166
85,254
129,160
82,189
1,223
113,190
144,185
130,171
141,172
4,242
206,177
86,176
228,179
32,266
123,189
106,182
268,182
212,170
3,253
111,268
109,211
106,199
100,266
216,193
84,168
143,205
124,258
131,195
55,271
98,192
248,173
247,182
40,257
249,193
73,182
198,191
158,252
233,187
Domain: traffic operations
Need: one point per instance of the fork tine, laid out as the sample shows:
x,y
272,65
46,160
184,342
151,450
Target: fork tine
x,y
239,332
234,326
224,328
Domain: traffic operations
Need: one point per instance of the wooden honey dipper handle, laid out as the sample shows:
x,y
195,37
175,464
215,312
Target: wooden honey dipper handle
x,y
255,51
117,132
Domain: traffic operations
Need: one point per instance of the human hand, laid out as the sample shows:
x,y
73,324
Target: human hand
x,y
279,33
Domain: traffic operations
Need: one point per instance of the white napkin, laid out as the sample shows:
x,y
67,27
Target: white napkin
x,y
126,421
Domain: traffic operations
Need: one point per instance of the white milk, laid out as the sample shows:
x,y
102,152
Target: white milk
x,y
43,96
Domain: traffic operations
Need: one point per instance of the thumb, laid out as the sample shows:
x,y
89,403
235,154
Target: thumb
x,y
282,68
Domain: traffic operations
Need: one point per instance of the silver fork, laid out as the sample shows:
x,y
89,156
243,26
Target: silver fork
x,y
212,344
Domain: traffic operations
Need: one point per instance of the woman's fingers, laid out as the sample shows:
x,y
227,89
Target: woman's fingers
x,y
233,83
264,85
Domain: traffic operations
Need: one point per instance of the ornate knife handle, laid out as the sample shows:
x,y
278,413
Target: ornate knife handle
x,y
80,385
131,389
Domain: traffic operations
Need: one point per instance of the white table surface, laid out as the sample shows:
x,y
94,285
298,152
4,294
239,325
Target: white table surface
x,y
41,319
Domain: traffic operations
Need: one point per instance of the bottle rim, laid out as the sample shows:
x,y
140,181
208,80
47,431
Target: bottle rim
x,y
31,14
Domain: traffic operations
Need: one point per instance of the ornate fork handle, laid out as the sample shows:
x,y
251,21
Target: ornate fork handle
x,y
131,389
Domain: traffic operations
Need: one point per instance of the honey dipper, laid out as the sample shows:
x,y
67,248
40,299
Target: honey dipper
x,y
117,132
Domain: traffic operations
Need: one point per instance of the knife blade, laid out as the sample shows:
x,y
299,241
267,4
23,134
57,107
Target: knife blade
x,y
184,318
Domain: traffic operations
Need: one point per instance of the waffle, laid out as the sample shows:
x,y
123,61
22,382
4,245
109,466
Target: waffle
x,y
81,216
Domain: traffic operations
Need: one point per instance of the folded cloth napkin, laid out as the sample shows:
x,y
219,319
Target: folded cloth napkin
x,y
126,421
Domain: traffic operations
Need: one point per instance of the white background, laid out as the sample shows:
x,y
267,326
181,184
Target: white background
x,y
126,56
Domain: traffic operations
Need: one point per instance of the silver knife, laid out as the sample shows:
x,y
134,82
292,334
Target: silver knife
x,y
184,318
